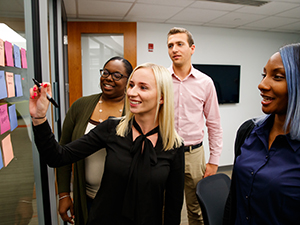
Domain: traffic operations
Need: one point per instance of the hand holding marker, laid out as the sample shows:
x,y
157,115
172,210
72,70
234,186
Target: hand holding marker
x,y
48,96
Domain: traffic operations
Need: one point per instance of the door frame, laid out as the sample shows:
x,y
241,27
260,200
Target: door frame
x,y
75,29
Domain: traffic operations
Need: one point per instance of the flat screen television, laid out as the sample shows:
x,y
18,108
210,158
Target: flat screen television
x,y
226,79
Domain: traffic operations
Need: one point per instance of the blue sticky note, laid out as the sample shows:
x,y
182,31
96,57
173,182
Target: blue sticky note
x,y
17,56
1,160
3,90
12,117
18,85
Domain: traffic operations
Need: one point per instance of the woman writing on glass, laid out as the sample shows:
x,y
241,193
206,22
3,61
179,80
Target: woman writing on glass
x,y
84,115
144,167
265,185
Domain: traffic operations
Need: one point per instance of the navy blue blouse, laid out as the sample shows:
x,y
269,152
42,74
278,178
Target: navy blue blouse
x,y
268,181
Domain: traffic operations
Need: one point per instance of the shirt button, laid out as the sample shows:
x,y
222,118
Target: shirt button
x,y
246,196
180,93
252,173
247,218
179,117
180,105
267,156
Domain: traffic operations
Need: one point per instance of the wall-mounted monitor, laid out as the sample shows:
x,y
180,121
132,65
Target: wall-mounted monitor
x,y
226,79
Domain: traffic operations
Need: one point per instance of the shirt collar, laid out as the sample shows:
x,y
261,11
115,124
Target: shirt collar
x,y
192,73
263,131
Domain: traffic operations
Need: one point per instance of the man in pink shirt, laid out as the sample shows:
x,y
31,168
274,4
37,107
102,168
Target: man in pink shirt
x,y
195,98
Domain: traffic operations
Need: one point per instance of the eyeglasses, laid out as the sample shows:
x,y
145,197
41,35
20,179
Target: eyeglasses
x,y
115,75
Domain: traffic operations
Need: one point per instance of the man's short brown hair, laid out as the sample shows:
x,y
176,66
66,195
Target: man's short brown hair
x,y
178,30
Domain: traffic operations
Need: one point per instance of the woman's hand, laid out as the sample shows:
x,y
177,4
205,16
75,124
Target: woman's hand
x,y
38,103
65,204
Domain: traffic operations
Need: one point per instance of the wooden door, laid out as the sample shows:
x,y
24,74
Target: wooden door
x,y
75,29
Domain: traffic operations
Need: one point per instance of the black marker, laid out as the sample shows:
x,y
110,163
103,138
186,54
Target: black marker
x,y
48,96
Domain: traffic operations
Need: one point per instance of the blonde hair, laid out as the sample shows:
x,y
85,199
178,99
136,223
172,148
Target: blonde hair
x,y
164,112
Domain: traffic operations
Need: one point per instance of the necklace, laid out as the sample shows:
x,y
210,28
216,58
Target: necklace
x,y
100,110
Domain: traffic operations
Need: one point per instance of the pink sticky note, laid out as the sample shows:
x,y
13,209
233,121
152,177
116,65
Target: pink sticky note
x,y
23,58
8,53
2,59
8,153
10,84
4,119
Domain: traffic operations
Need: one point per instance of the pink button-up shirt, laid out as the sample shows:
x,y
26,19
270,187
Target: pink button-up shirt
x,y
195,98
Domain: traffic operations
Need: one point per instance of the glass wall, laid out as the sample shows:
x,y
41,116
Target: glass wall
x,y
31,34
17,187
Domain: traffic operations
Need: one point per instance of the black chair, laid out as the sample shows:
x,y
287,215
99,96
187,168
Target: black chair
x,y
212,193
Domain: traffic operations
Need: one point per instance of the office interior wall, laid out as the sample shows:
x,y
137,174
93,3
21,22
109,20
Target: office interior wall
x,y
250,49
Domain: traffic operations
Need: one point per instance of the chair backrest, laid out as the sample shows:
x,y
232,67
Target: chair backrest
x,y
212,193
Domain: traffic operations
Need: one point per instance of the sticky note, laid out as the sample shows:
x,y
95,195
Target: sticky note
x,y
10,84
13,117
2,59
17,56
8,54
3,90
1,161
18,85
8,153
23,58
4,119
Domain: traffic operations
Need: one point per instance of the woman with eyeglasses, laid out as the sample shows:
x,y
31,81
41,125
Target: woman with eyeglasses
x,y
143,178
84,115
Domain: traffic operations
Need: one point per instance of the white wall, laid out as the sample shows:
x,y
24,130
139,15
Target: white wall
x,y
250,49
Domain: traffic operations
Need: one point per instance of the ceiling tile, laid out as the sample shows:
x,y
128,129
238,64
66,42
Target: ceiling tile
x,y
103,18
283,30
237,19
252,28
285,13
103,8
293,13
219,25
128,1
195,15
272,22
287,1
271,8
156,12
291,27
215,6
180,3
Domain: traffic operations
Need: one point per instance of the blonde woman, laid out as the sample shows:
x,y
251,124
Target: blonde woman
x,y
144,167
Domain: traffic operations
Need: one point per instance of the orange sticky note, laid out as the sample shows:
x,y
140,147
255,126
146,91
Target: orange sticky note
x,y
2,59
8,153
10,84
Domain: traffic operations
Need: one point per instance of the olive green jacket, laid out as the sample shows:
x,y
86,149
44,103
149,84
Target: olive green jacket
x,y
74,127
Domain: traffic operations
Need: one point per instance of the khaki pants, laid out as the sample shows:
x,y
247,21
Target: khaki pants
x,y
194,171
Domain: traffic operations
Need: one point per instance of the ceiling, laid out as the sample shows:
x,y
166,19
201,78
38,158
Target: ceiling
x,y
272,15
